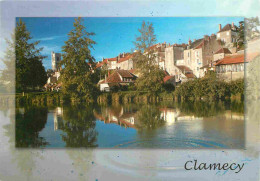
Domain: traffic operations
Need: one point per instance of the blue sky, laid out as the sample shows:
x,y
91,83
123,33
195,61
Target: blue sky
x,y
116,35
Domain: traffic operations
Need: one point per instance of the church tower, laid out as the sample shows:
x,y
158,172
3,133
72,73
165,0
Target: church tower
x,y
55,60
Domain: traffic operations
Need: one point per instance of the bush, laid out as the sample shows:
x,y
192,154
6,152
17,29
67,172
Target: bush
x,y
209,87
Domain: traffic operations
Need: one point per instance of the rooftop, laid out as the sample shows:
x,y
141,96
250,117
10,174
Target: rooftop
x,y
234,59
223,50
228,27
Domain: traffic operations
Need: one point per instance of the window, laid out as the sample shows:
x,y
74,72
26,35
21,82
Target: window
x,y
188,54
218,35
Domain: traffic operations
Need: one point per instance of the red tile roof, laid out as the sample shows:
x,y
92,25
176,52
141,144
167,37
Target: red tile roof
x,y
227,27
167,77
125,73
223,50
115,77
231,60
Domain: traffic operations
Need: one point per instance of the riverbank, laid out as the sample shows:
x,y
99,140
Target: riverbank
x,y
121,97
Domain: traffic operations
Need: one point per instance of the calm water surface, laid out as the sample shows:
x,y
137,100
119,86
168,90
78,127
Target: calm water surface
x,y
164,125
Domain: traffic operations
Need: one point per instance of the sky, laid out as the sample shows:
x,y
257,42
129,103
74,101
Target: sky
x,y
9,10
114,35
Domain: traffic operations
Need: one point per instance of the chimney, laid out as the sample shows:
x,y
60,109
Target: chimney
x,y
124,54
189,42
219,26
194,40
233,26
103,59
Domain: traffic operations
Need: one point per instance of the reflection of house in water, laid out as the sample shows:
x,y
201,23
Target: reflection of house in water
x,y
234,115
188,118
169,115
122,116
57,117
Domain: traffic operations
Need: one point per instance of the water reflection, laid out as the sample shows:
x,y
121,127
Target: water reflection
x,y
77,124
166,125
29,122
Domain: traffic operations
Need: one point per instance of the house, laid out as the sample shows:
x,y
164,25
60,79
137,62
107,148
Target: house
x,y
200,53
218,55
125,61
173,56
183,74
159,51
119,78
221,53
122,61
228,34
231,67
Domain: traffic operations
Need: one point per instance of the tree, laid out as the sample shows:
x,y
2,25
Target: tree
x,y
78,76
241,35
30,72
8,74
151,77
251,28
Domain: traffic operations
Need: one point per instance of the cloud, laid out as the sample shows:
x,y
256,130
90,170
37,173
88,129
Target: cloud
x,y
48,38
48,49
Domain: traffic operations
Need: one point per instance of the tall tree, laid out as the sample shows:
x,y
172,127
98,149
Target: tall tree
x,y
30,72
241,36
77,76
145,60
8,74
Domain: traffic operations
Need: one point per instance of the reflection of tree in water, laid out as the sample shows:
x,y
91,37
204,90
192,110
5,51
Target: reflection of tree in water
x,y
79,126
25,159
28,125
149,118
206,109
201,108
237,107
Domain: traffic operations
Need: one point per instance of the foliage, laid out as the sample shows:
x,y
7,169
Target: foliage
x,y
149,117
78,76
26,58
151,77
208,87
251,28
241,36
79,125
28,125
237,86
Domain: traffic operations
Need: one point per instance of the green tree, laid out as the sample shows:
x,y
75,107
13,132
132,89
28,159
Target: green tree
x,y
77,76
30,72
241,36
151,76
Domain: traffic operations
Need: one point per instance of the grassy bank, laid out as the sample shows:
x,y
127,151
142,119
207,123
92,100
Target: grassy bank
x,y
206,89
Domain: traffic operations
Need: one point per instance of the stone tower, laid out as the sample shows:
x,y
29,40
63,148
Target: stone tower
x,y
55,60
